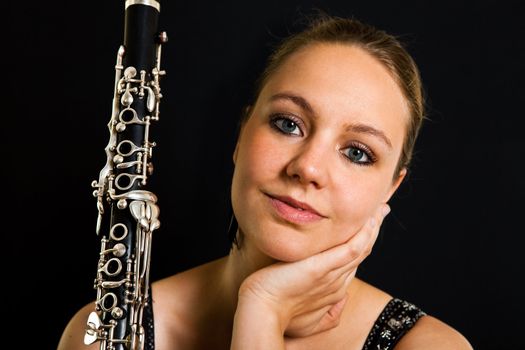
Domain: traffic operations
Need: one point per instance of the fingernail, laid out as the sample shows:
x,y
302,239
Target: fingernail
x,y
372,222
385,210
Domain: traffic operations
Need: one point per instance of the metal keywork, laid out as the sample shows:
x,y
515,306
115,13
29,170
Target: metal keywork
x,y
127,210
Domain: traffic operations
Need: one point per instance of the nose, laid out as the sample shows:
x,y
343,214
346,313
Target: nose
x,y
309,165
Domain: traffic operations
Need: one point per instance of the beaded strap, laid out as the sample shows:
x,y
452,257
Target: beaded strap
x,y
148,326
395,320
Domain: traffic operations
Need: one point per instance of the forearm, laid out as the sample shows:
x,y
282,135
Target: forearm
x,y
256,327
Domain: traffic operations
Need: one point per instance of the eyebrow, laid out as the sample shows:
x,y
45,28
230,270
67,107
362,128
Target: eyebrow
x,y
298,100
367,129
358,128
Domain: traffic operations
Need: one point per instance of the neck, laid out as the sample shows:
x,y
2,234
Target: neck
x,y
233,269
237,266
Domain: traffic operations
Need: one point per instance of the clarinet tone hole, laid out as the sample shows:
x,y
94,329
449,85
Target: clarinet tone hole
x,y
108,302
127,115
118,232
110,270
126,148
123,181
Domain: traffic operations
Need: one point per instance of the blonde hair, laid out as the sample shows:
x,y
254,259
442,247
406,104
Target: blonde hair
x,y
386,48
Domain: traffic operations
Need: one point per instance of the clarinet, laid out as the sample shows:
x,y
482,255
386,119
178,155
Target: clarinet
x,y
122,277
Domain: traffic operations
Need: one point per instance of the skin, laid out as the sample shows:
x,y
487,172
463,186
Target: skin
x,y
292,285
312,167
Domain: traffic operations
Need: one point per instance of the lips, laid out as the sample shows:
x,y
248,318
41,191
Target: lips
x,y
293,210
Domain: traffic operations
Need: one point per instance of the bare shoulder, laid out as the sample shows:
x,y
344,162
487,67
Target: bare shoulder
x,y
172,295
73,336
177,300
430,333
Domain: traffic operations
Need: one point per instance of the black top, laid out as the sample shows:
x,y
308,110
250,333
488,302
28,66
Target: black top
x,y
395,320
148,326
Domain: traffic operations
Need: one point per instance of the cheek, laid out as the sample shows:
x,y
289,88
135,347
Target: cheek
x,y
353,206
257,159
255,166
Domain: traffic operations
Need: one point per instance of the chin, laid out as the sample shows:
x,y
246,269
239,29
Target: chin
x,y
287,247
284,254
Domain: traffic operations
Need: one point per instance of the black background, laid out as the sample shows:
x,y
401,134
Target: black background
x,y
452,243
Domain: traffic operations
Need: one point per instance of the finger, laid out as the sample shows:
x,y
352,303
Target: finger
x,y
335,311
348,254
318,320
342,281
378,219
359,246
333,317
334,292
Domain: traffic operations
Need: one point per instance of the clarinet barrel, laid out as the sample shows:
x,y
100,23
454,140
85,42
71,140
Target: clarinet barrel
x,y
127,211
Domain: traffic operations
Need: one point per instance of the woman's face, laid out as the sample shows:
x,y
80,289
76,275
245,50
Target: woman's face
x,y
318,153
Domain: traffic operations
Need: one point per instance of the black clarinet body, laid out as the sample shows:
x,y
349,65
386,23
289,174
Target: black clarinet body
x,y
127,211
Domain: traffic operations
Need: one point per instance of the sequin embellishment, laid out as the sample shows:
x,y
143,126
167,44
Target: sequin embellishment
x,y
395,320
148,326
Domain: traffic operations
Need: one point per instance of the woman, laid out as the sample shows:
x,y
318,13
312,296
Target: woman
x,y
321,150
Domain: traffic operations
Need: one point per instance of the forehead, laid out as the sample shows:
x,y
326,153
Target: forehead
x,y
344,82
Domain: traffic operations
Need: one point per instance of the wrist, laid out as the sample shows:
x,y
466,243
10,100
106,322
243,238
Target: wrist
x,y
256,324
262,311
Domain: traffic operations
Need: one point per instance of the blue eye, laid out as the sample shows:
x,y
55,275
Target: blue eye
x,y
359,155
286,125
